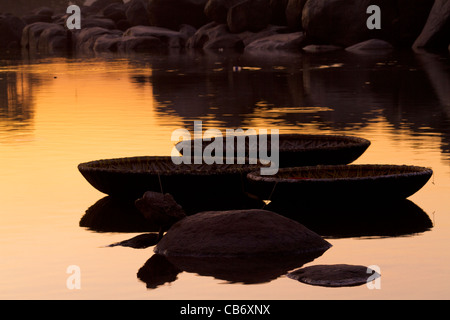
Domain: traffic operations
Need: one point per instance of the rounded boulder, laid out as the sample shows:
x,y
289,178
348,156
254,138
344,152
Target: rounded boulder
x,y
239,233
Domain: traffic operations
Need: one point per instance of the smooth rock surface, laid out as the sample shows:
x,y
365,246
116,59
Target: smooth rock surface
x,y
252,15
172,39
370,46
436,32
282,41
239,233
294,12
215,36
339,275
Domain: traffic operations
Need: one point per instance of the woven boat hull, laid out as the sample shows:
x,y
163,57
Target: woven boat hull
x,y
339,184
202,185
303,150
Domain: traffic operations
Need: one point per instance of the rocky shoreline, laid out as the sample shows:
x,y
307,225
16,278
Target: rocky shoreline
x,y
248,25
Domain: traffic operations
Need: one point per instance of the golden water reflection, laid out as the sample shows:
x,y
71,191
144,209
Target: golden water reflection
x,y
56,113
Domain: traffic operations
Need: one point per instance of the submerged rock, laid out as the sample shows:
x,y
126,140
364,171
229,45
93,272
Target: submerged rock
x,y
141,241
239,233
372,45
339,275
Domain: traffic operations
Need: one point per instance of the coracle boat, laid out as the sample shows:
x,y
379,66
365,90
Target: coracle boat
x,y
189,184
339,184
296,149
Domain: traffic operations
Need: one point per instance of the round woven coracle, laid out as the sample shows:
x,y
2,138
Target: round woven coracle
x,y
339,183
296,149
132,177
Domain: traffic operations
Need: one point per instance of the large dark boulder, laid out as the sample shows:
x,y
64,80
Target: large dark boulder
x,y
107,43
11,28
115,12
136,13
344,22
294,11
215,36
239,233
174,13
252,15
130,44
217,10
54,39
87,37
171,38
31,34
436,32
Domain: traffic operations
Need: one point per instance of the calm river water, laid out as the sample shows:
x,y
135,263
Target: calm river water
x,y
58,112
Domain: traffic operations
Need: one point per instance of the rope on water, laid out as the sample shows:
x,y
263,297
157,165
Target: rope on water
x,y
160,184
270,196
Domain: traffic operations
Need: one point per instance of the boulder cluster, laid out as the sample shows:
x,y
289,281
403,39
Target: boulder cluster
x,y
313,25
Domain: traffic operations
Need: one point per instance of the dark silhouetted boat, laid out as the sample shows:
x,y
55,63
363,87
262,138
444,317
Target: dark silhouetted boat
x,y
295,149
194,186
339,183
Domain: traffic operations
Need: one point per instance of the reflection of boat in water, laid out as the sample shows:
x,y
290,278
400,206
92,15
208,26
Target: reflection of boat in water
x,y
115,215
160,269
294,149
385,219
194,186
339,184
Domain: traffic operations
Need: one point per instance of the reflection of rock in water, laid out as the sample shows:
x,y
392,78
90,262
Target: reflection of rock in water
x,y
247,246
115,215
160,269
390,219
157,271
16,104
